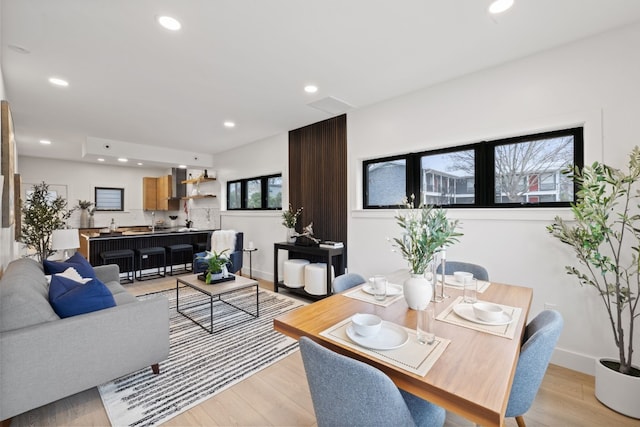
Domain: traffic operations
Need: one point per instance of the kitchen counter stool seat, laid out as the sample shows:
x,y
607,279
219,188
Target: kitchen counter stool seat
x,y
180,254
124,258
147,253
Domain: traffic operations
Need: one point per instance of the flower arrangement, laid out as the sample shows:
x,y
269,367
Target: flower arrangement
x,y
290,218
84,204
425,230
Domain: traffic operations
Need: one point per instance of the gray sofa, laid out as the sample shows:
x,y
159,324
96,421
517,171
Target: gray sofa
x,y
44,358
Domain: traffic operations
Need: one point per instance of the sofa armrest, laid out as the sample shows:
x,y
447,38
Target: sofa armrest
x,y
108,273
45,362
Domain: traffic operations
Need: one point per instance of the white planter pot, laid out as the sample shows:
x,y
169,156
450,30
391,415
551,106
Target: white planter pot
x,y
417,291
618,391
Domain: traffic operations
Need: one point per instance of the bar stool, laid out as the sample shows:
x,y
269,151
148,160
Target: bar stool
x,y
200,247
185,251
147,253
115,257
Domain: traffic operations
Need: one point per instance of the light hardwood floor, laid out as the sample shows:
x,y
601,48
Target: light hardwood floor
x,y
279,396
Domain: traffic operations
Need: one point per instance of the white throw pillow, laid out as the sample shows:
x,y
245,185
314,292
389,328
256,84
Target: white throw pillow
x,y
72,274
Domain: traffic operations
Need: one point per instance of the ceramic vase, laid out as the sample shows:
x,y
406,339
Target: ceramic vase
x,y
92,222
291,232
418,291
84,218
617,391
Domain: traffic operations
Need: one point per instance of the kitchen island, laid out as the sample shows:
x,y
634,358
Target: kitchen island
x,y
93,242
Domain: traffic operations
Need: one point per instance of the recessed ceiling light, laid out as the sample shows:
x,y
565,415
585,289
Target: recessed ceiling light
x,y
58,82
182,166
311,89
123,160
229,124
500,6
101,159
45,142
169,23
139,163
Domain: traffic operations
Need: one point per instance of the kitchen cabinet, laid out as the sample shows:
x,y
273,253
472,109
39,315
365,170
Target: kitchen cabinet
x,y
157,194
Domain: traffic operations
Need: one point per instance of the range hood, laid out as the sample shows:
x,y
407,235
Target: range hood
x,y
178,189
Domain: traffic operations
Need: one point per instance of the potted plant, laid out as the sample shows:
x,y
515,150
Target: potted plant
x,y
42,214
289,220
425,231
216,263
605,237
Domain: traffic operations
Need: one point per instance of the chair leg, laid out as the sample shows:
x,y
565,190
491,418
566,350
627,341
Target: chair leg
x,y
155,368
520,421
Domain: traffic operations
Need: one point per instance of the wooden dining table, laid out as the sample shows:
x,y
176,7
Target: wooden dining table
x,y
473,376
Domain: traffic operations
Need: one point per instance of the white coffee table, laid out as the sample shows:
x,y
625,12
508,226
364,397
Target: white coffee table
x,y
215,293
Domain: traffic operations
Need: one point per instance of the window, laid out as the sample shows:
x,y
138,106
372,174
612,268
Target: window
x,y
521,171
109,199
264,192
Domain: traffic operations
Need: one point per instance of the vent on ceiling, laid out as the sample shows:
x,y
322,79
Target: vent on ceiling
x,y
331,105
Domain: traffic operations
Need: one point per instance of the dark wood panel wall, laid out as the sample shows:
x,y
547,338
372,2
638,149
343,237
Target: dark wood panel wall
x,y
318,177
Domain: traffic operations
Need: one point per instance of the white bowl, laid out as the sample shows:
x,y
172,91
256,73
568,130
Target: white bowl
x,y
487,311
366,324
462,276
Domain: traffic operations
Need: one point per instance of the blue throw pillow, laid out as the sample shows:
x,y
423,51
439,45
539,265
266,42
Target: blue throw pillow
x,y
70,298
77,261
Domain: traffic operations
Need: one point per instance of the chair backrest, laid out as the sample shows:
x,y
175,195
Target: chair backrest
x,y
478,271
540,338
347,281
345,391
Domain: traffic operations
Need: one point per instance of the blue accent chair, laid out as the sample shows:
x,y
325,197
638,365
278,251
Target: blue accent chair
x,y
347,392
347,281
478,271
235,256
540,338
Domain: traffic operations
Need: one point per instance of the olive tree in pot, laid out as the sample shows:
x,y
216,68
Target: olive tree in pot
x,y
605,237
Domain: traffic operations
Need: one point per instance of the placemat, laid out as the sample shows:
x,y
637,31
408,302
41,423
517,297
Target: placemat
x,y
450,282
412,357
505,331
359,293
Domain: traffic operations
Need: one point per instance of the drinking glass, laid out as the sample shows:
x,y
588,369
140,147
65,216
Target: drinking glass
x,y
379,288
470,290
425,325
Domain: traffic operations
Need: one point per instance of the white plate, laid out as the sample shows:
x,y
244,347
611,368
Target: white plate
x,y
450,281
392,289
390,336
466,312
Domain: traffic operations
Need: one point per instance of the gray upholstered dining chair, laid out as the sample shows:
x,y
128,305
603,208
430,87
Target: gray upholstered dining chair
x,y
478,271
540,338
346,281
346,391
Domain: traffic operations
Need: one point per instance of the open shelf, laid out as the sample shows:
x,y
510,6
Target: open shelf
x,y
197,180
202,196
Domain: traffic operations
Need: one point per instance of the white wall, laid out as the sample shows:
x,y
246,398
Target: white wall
x,y
592,83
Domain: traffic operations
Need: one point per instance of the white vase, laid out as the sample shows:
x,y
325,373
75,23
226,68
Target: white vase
x,y
417,291
84,218
291,235
617,391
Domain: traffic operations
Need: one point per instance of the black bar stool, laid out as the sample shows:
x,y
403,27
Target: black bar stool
x,y
180,254
117,257
147,254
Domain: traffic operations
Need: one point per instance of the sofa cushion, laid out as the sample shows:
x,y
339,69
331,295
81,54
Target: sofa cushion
x,y
76,261
24,296
70,298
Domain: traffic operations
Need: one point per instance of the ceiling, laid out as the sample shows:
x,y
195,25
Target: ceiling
x,y
133,82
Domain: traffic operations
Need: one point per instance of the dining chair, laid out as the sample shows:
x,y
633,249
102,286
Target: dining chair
x,y
540,338
345,391
479,272
346,281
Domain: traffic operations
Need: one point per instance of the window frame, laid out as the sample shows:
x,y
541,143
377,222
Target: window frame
x,y
484,171
264,199
96,190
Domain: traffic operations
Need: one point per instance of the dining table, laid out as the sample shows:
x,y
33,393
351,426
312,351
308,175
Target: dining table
x,y
471,377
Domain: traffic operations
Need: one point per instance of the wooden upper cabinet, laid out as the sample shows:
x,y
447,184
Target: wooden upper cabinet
x,y
157,194
149,193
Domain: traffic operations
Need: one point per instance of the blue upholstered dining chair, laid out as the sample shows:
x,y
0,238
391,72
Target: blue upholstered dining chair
x,y
347,281
346,391
540,338
478,271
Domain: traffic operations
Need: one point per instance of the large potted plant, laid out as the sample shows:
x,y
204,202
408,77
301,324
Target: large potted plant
x,y
605,237
425,230
42,214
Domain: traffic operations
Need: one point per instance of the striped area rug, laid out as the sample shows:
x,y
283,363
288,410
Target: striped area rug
x,y
201,364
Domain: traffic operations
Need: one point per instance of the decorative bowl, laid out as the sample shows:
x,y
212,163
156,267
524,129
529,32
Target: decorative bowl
x,y
366,324
487,311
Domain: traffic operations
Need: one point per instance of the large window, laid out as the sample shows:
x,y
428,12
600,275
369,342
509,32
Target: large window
x,y
263,192
521,171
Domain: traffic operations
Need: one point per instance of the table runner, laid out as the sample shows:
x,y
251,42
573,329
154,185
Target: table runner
x,y
505,331
412,357
359,293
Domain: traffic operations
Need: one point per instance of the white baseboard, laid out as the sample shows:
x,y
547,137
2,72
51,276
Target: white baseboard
x,y
575,361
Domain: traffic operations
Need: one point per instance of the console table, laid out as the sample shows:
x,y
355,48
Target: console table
x,y
331,256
